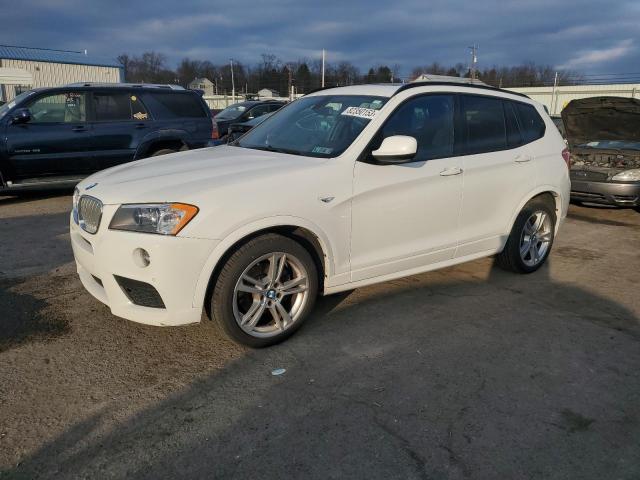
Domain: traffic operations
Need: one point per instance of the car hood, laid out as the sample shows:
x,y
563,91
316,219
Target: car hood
x,y
601,118
188,176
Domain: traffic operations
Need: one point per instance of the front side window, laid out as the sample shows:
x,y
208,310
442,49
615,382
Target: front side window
x,y
258,111
315,126
429,119
484,124
68,107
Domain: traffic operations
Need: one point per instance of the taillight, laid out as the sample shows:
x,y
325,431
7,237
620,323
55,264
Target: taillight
x,y
215,134
566,156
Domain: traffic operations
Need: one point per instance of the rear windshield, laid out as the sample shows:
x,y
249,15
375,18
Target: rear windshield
x,y
232,112
174,105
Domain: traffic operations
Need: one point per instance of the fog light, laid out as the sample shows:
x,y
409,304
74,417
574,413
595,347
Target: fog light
x,y
141,257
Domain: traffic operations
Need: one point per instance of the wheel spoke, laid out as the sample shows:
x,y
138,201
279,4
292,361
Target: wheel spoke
x,y
284,315
251,318
545,237
524,248
296,285
533,252
539,222
276,318
250,285
529,227
276,266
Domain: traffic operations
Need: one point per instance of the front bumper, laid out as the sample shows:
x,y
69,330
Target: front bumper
x,y
606,193
105,258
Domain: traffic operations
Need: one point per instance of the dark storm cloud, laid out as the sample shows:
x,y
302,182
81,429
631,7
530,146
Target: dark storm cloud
x,y
588,35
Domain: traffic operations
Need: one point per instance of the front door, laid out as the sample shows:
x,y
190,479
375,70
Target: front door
x,y
56,141
405,216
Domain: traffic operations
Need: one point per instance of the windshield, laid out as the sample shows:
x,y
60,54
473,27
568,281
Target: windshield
x,y
316,126
229,113
9,105
612,145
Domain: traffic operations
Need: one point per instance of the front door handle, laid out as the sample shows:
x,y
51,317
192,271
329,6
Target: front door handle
x,y
79,128
523,158
447,172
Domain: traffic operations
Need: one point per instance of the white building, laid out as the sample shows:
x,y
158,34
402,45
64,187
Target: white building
x,y
203,84
268,93
556,98
23,68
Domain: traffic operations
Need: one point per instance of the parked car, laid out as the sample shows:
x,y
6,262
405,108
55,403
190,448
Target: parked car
x,y
603,134
57,136
236,130
557,120
241,112
344,188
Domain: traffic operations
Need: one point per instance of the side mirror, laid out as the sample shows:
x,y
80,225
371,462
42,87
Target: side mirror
x,y
396,149
21,115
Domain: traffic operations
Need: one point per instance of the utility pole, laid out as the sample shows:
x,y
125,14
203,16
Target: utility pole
x,y
554,100
474,61
323,68
233,84
290,83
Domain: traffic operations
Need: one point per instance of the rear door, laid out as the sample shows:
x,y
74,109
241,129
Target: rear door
x,y
499,171
119,122
56,142
180,115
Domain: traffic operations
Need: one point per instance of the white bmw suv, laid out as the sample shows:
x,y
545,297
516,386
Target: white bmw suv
x,y
342,188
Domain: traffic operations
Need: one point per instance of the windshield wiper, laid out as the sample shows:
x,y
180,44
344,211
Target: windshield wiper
x,y
269,148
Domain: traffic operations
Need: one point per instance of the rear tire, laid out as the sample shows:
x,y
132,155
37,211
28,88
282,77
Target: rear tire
x,y
162,151
531,237
264,291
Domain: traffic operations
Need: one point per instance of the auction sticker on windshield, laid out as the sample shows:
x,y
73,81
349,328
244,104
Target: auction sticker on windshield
x,y
360,112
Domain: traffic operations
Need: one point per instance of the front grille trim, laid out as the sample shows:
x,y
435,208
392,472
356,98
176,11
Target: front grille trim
x,y
89,213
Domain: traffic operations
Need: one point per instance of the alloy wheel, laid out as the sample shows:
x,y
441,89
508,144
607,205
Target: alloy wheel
x,y
270,294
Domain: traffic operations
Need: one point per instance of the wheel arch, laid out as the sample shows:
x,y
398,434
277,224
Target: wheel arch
x,y
173,139
546,190
307,234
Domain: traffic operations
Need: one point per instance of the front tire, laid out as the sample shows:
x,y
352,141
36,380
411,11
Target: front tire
x,y
531,237
264,291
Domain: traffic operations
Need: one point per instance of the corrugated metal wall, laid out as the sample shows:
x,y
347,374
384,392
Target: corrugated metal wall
x,y
48,74
557,98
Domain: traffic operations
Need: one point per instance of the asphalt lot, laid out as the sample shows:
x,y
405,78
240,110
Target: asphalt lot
x,y
469,372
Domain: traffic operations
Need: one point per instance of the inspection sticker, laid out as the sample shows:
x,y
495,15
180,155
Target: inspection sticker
x,y
360,112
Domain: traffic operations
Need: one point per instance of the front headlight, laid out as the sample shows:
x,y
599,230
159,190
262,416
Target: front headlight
x,y
162,218
632,175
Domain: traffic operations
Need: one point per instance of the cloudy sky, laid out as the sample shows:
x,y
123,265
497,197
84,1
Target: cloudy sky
x,y
590,36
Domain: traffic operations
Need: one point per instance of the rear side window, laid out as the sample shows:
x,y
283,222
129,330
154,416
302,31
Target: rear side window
x,y
118,106
175,105
514,138
531,124
484,124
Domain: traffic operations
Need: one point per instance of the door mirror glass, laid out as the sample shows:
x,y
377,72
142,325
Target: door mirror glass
x,y
396,149
21,115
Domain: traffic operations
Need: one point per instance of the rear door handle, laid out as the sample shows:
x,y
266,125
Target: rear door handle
x,y
447,172
79,128
523,158
141,125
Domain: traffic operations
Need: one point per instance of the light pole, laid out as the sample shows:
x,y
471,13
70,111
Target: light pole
x,y
233,84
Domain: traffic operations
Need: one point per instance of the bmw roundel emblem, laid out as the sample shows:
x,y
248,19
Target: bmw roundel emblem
x,y
89,187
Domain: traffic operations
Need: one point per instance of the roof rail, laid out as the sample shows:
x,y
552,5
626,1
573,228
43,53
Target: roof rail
x,y
407,86
126,85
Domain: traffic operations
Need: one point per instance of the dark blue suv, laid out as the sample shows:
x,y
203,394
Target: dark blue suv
x,y
56,136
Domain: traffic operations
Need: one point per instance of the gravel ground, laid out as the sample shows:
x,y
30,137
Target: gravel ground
x,y
468,372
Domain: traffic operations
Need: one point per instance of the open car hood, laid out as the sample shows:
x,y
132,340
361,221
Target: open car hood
x,y
601,118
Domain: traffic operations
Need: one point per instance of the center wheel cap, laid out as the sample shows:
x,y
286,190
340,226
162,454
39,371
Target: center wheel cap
x,y
271,294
